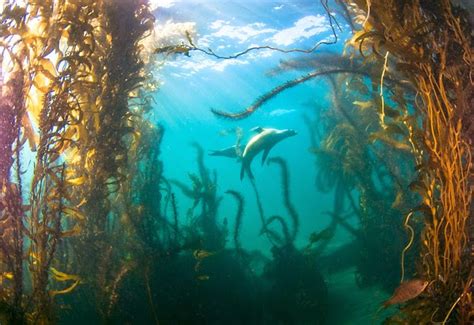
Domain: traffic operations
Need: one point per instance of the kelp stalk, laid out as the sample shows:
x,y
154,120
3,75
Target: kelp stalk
x,y
238,218
285,184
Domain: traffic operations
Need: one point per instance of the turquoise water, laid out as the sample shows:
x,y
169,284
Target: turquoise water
x,y
185,98
191,86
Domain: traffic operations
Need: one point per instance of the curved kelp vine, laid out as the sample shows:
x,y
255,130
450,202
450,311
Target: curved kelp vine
x,y
285,184
277,90
238,218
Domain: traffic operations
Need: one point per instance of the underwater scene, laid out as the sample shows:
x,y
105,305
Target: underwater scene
x,y
236,162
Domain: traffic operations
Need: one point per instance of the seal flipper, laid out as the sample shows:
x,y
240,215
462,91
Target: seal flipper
x,y
265,153
257,129
245,167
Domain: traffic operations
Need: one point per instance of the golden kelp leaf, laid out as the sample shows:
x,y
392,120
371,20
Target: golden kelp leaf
x,y
29,132
397,203
83,201
42,82
69,133
355,38
8,275
76,181
61,277
383,137
35,258
34,103
48,69
75,213
363,105
64,291
76,230
82,132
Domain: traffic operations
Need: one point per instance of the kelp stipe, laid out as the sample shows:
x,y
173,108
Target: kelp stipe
x,y
12,213
238,218
285,185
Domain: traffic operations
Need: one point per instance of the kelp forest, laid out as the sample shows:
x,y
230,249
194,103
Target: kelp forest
x,y
93,229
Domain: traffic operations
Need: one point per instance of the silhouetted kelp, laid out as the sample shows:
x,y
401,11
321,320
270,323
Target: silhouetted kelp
x,y
285,184
274,237
295,291
204,193
238,218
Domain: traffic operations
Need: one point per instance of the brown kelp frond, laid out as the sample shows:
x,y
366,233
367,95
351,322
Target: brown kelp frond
x,y
277,90
328,60
238,218
429,43
285,184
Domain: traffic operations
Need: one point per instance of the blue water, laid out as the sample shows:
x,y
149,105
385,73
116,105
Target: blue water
x,y
185,98
191,86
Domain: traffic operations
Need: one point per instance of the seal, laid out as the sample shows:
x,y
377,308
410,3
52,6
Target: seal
x,y
264,141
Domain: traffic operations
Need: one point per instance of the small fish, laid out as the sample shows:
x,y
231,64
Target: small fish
x,y
406,291
325,234
280,112
202,277
201,254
